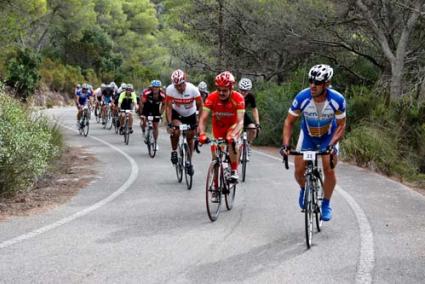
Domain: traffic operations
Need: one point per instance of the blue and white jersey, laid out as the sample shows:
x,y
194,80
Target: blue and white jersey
x,y
319,123
83,97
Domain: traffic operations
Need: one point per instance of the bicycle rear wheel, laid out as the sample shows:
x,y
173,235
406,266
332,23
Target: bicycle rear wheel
x,y
179,165
109,119
98,114
308,212
244,159
213,186
86,124
187,162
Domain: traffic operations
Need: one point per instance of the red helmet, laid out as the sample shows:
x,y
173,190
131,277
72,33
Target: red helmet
x,y
178,77
225,80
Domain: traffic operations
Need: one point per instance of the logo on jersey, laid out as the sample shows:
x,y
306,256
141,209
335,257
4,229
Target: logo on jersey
x,y
295,103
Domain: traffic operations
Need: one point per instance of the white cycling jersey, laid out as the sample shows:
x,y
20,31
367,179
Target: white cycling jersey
x,y
97,92
184,104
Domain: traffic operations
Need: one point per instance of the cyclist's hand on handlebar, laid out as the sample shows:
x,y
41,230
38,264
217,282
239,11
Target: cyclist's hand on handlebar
x,y
203,139
331,149
284,150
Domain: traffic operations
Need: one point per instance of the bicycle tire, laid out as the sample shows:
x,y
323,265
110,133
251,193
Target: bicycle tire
x,y
213,208
126,133
229,197
187,159
151,144
98,114
86,126
109,119
244,159
308,212
179,165
115,122
318,197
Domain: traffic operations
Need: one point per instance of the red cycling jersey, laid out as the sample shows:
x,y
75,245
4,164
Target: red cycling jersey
x,y
224,113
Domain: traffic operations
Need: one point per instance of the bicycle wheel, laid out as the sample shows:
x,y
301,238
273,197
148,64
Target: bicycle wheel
x,y
308,212
98,114
179,165
126,133
115,121
187,162
229,197
108,124
151,143
244,159
318,198
213,187
86,126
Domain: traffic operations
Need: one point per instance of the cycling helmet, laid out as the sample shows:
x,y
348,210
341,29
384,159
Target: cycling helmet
x,y
245,84
113,85
321,73
225,80
178,77
78,86
202,87
156,83
129,87
85,86
103,86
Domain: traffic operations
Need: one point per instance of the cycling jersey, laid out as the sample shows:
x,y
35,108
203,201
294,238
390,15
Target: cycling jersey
x,y
318,123
125,101
107,94
151,106
249,103
224,113
83,97
183,104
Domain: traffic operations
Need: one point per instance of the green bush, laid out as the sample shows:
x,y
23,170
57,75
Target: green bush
x,y
27,145
22,72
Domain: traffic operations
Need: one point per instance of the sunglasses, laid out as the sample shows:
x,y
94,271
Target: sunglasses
x,y
315,82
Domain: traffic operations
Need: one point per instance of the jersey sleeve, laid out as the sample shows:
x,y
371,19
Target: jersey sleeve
x,y
340,112
134,97
295,108
209,103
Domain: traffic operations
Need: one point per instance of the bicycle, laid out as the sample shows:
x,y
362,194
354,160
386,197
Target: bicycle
x,y
313,193
85,121
218,181
116,121
108,117
126,128
184,157
149,138
244,151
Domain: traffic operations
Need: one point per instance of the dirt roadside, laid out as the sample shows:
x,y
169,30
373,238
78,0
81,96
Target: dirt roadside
x,y
66,177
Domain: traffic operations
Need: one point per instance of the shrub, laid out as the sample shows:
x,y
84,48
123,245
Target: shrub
x,y
27,145
22,72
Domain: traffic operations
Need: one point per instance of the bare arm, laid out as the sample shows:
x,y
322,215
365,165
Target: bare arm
x,y
239,124
199,105
256,115
340,130
168,109
288,126
203,118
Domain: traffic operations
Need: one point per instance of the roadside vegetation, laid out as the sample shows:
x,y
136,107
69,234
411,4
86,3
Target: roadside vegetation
x,y
376,50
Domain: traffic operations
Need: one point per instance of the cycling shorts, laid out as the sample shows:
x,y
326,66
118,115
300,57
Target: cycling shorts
x,y
308,143
191,119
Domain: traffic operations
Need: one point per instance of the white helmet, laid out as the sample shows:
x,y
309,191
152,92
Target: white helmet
x,y
202,87
321,73
245,84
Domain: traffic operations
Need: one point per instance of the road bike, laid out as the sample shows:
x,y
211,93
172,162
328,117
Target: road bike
x,y
244,150
126,127
218,182
150,140
85,121
116,121
313,193
184,162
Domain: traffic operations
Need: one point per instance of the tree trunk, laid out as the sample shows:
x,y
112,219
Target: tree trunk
x,y
220,66
396,77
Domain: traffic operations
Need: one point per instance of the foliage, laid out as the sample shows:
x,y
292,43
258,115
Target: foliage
x,y
27,145
22,72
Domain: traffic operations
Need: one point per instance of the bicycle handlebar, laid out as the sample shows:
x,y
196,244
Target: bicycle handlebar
x,y
297,153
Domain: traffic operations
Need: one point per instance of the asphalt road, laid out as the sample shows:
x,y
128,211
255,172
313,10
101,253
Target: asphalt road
x,y
136,224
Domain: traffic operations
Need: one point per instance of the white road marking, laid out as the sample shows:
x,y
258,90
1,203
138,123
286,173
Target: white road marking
x,y
79,214
367,252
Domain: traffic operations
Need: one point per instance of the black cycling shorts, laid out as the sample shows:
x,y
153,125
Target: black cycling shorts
x,y
191,119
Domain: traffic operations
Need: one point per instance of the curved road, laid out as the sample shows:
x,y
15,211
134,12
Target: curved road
x,y
136,224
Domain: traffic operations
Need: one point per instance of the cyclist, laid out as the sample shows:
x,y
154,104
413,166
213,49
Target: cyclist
x,y
98,95
126,101
245,86
82,98
77,89
323,126
227,107
182,100
152,103
107,94
203,90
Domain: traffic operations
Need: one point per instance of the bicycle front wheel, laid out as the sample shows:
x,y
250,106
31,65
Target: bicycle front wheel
x,y
151,144
126,134
230,195
179,165
213,191
244,159
109,120
308,212
188,167
318,198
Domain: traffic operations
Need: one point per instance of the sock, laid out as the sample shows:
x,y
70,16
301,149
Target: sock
x,y
234,166
325,202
